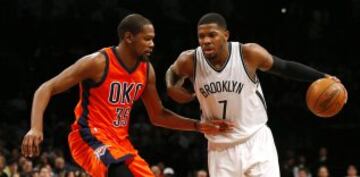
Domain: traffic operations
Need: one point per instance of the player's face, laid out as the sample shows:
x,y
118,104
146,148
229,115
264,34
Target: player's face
x,y
143,41
212,38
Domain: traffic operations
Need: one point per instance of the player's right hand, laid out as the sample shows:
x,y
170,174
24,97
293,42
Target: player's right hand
x,y
216,126
31,143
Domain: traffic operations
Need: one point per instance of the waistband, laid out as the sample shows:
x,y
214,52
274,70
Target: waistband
x,y
222,146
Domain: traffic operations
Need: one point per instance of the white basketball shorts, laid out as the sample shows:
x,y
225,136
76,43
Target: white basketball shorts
x,y
256,157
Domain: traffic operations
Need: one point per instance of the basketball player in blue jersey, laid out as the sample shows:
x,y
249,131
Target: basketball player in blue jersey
x,y
225,83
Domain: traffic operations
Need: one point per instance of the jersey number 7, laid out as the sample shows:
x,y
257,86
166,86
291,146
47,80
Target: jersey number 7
x,y
224,108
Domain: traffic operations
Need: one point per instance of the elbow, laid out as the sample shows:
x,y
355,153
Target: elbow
x,y
171,91
154,117
158,118
179,95
155,120
44,88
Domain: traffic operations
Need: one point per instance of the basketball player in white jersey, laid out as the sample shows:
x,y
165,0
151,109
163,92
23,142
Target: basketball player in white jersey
x,y
225,83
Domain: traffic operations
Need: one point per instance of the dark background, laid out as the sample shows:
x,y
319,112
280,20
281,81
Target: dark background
x,y
39,38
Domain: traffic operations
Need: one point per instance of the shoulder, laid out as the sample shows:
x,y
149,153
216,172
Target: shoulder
x,y
93,59
257,56
254,49
183,66
93,64
186,56
251,48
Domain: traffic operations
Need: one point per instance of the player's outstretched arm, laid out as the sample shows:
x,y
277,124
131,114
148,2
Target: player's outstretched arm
x,y
261,59
160,116
87,67
180,70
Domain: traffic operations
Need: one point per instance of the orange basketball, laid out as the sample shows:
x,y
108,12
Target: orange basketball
x,y
325,97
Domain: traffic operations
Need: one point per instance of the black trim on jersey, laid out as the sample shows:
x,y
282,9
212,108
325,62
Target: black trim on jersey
x,y
254,80
262,99
91,83
88,137
227,60
194,66
129,70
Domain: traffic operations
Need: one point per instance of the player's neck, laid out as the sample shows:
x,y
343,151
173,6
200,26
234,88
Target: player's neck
x,y
220,59
128,57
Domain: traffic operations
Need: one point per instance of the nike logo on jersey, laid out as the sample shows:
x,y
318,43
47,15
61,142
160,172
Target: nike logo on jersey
x,y
221,86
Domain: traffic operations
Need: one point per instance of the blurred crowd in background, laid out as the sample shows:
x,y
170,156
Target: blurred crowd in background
x,y
39,38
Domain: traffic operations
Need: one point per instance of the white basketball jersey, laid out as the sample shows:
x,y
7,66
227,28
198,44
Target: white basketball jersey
x,y
229,93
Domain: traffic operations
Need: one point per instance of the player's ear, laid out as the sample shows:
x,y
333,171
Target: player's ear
x,y
227,34
128,37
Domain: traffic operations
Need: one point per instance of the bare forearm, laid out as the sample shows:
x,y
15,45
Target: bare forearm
x,y
40,102
169,119
180,94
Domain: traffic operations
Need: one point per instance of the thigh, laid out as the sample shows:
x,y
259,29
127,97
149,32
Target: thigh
x,y
85,156
225,163
95,152
262,159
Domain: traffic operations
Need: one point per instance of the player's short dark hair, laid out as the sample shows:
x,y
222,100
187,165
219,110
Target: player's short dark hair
x,y
213,18
132,23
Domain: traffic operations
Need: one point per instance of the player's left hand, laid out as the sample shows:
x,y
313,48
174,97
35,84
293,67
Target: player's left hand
x,y
216,126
